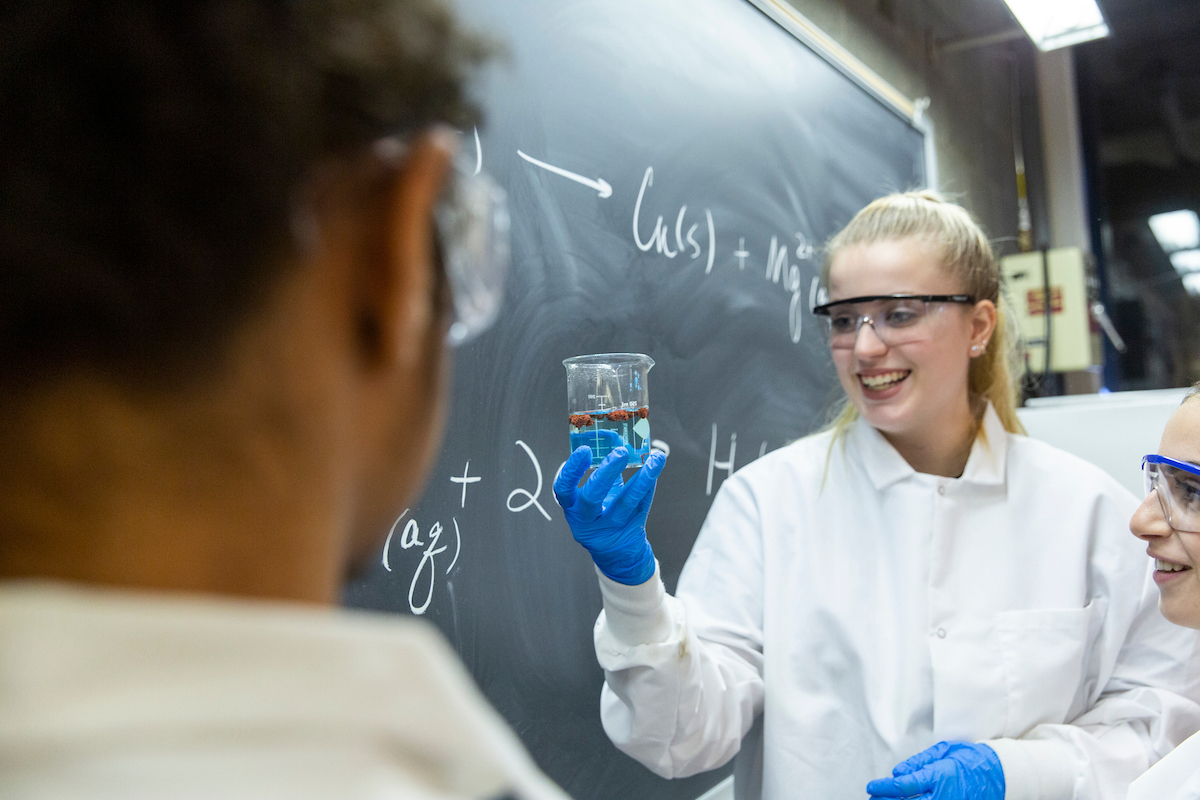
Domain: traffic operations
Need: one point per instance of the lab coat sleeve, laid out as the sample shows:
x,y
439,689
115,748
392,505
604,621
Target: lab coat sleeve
x,y
1148,705
683,675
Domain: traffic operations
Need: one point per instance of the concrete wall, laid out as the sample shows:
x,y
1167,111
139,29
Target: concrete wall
x,y
970,91
1113,431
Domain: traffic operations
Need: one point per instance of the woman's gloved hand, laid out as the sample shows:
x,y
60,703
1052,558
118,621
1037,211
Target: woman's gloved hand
x,y
946,771
608,516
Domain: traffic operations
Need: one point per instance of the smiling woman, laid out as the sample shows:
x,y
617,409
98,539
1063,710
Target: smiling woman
x,y
917,244
1168,520
889,585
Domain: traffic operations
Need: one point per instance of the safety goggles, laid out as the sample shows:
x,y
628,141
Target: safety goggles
x,y
1178,487
895,318
473,227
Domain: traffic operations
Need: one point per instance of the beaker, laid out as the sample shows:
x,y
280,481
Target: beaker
x,y
608,404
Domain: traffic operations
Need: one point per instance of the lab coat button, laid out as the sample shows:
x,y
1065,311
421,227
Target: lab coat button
x,y
941,633
941,490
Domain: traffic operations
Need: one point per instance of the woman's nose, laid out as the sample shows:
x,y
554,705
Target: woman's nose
x,y
867,343
1148,521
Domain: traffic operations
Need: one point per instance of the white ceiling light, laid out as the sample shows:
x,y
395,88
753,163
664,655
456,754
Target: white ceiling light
x,y
1186,261
1191,282
1059,23
1176,230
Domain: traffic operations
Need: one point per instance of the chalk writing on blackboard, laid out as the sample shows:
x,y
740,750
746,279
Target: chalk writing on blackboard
x,y
658,239
410,537
600,185
713,464
531,499
779,270
465,480
805,250
435,533
817,294
788,276
388,542
424,578
741,254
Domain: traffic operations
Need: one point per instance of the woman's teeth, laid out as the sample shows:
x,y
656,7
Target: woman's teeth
x,y
1167,566
883,380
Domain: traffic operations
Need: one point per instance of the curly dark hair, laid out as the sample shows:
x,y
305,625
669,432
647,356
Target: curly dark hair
x,y
149,152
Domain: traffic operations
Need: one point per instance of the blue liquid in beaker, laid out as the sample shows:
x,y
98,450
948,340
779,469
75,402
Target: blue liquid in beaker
x,y
604,431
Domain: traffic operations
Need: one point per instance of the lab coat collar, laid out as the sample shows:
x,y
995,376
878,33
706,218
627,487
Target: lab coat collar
x,y
885,466
97,663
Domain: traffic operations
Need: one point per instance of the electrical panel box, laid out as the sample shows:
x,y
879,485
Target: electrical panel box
x,y
1027,277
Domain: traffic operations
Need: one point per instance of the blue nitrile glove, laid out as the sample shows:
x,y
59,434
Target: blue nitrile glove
x,y
946,771
608,516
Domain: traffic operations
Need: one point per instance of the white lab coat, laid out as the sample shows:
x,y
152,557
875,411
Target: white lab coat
x,y
112,695
1176,777
873,611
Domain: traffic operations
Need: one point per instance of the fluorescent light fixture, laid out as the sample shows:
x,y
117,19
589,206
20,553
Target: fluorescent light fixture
x,y
1185,261
1176,230
1191,282
1052,24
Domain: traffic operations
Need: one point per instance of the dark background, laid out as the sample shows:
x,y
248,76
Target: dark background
x,y
1139,95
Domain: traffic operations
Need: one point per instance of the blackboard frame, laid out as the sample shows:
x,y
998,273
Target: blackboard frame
x,y
911,111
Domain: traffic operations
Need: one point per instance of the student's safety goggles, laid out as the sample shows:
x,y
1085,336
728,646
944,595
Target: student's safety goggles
x,y
895,318
473,226
1178,487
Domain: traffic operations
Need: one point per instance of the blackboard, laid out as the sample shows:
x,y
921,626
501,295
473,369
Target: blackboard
x,y
731,151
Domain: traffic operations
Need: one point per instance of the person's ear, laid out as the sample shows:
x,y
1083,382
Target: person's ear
x,y
983,325
398,300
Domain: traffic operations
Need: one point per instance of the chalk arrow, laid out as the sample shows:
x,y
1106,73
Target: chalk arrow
x,y
600,185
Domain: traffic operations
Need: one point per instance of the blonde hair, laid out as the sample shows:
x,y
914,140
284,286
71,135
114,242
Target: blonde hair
x,y
966,253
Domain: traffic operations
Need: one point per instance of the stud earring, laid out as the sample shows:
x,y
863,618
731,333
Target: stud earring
x,y
974,348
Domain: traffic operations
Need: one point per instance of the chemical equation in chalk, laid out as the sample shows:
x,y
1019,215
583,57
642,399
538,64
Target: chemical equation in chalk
x,y
431,553
410,537
680,240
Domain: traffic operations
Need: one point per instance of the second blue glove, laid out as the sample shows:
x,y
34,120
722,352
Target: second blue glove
x,y
946,771
608,516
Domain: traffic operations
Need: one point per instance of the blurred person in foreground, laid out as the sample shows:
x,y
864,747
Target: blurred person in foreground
x,y
224,310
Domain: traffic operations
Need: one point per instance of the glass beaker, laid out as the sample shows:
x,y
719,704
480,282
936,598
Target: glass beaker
x,y
608,404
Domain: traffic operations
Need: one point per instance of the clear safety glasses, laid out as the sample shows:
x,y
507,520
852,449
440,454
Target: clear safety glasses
x,y
895,318
1178,487
473,226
